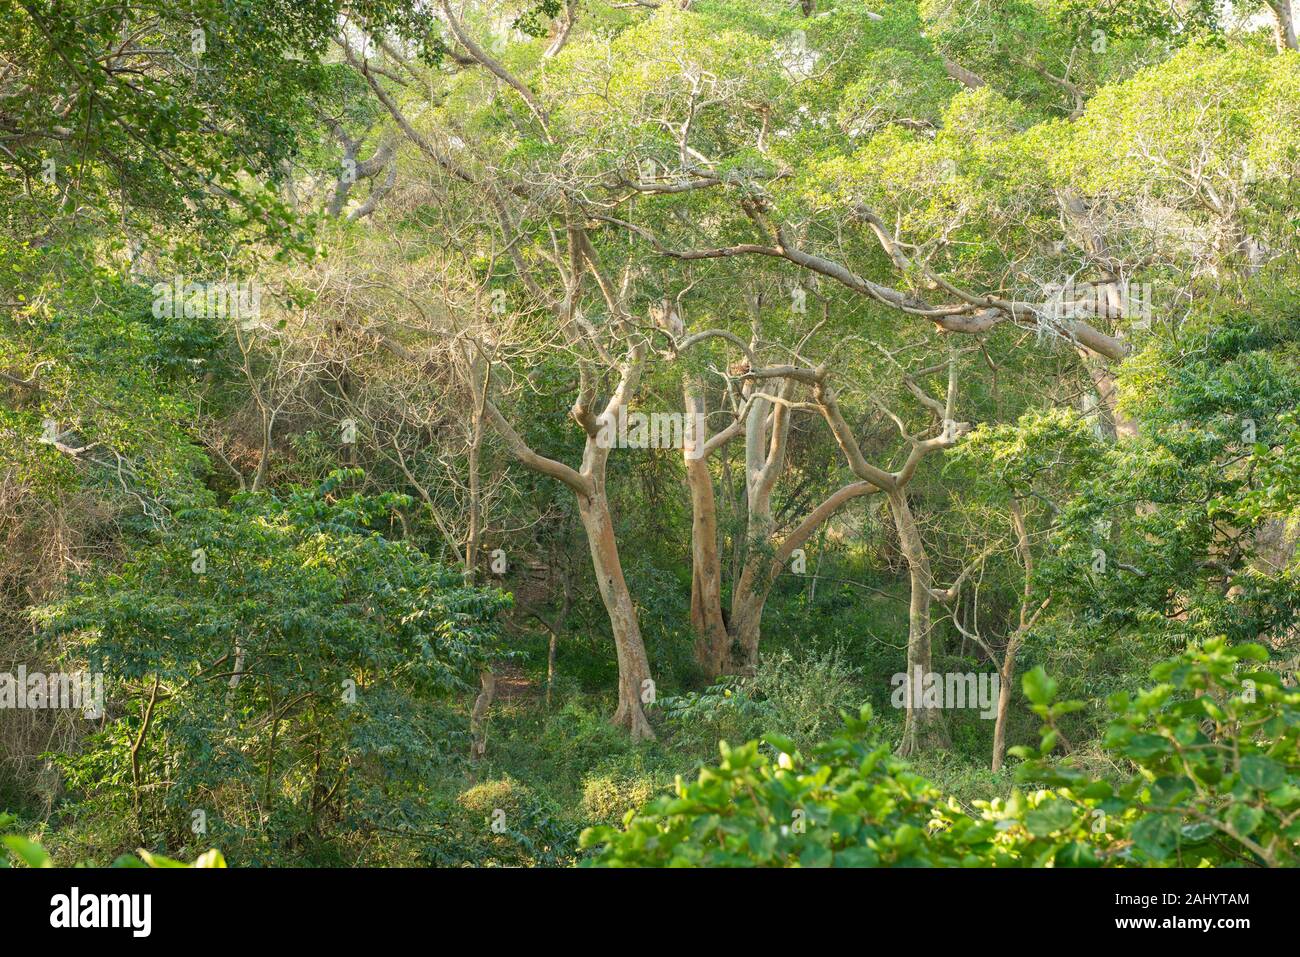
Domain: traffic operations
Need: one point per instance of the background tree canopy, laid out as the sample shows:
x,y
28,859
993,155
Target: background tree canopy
x,y
444,429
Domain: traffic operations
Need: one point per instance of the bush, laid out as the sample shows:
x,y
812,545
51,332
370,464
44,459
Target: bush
x,y
290,687
726,710
1215,781
503,823
805,696
624,783
1217,754
32,854
799,697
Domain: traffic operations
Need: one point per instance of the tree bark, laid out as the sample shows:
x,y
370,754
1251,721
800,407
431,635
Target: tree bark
x,y
1113,425
588,486
712,643
1284,25
764,459
1007,672
478,716
633,665
923,727
747,601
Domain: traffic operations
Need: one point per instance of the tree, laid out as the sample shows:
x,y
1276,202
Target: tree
x,y
275,658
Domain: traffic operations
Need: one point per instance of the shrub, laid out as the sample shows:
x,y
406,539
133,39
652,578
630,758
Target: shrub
x,y
608,797
288,687
32,854
1215,780
726,710
799,697
503,823
1217,754
805,696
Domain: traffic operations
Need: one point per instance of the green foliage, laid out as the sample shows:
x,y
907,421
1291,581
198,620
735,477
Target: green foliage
x,y
500,823
278,659
848,804
1215,746
291,669
725,709
801,697
1213,773
1203,412
110,382
1278,493
804,696
32,854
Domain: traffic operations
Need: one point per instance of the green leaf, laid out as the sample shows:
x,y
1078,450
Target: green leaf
x,y
157,860
1097,790
1243,819
1195,833
860,856
1077,854
781,743
1147,745
1039,688
29,852
1262,772
1051,815
1156,835
212,858
815,855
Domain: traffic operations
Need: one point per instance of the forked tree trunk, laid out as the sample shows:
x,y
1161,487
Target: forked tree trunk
x,y
764,460
730,645
763,564
588,486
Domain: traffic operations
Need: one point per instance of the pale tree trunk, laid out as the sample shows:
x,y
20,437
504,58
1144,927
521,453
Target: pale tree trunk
x,y
764,565
487,679
732,645
478,716
1114,425
588,486
722,646
764,458
712,643
1006,677
747,600
1284,25
550,667
1007,673
634,684
767,432
923,727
